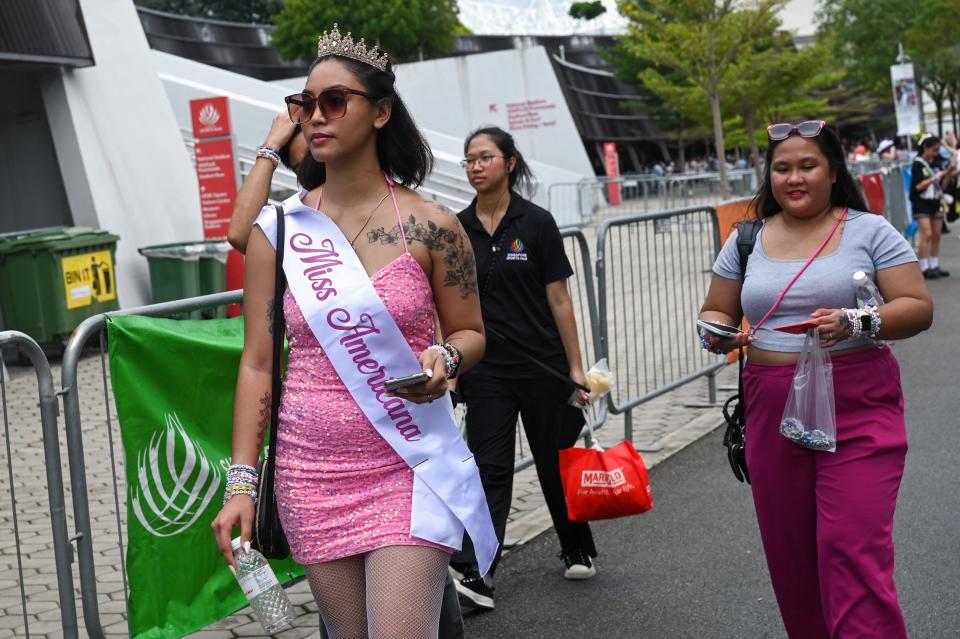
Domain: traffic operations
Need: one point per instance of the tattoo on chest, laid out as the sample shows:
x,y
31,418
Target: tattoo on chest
x,y
461,271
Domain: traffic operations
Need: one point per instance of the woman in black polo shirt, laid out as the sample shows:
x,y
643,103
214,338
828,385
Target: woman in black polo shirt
x,y
522,273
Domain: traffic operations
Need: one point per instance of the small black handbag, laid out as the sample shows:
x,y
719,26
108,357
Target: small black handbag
x,y
268,535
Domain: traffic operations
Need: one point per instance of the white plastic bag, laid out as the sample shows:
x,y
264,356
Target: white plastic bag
x,y
810,417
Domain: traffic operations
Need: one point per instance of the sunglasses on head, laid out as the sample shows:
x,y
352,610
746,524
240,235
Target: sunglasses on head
x,y
808,129
332,103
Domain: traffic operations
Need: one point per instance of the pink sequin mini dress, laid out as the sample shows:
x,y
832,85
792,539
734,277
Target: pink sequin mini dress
x,y
341,488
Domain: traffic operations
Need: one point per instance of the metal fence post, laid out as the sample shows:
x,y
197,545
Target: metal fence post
x,y
652,274
51,455
71,404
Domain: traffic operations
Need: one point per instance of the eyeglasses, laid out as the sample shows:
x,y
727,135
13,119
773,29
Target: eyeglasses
x,y
808,129
482,161
332,102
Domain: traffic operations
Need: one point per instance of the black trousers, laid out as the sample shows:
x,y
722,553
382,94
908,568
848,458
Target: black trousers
x,y
550,424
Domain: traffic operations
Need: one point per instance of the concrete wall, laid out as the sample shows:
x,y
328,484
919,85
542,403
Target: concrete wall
x,y
516,90
124,165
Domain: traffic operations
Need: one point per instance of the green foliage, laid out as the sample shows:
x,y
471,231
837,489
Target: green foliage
x,y
250,11
864,35
694,49
405,29
587,10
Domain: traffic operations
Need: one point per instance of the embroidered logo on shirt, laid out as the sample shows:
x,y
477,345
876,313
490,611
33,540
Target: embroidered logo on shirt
x,y
516,252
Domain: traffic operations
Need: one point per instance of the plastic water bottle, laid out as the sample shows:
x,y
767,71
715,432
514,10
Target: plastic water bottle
x,y
267,597
866,291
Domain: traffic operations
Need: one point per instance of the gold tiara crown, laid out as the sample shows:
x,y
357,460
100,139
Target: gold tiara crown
x,y
333,43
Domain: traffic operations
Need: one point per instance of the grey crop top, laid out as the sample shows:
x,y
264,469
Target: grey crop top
x,y
868,244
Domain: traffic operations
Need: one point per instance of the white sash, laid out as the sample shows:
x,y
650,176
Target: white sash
x,y
366,347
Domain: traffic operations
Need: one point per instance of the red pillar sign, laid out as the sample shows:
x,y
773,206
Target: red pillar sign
x,y
216,166
612,165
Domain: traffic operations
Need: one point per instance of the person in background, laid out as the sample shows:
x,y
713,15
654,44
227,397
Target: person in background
x,y
522,271
285,145
926,190
826,518
950,159
887,150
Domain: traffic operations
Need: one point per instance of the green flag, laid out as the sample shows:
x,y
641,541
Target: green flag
x,y
173,382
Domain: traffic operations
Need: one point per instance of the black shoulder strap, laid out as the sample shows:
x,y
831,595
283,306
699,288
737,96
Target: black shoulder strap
x,y
747,231
278,332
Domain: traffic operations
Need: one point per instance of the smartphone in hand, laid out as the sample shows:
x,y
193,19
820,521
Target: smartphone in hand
x,y
721,330
394,383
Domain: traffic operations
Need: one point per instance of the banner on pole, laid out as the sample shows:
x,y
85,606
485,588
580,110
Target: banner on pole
x,y
173,383
906,100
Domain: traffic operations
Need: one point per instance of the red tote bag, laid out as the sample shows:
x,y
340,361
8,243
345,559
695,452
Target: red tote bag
x,y
604,484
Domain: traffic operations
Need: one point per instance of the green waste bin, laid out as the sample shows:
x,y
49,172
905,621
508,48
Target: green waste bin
x,y
53,279
188,269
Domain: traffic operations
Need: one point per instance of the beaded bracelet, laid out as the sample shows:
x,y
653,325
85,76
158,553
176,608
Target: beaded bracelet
x,y
706,343
452,358
241,480
447,358
270,154
457,360
853,321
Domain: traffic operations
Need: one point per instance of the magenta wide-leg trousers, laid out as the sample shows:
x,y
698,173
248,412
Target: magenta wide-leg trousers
x,y
826,519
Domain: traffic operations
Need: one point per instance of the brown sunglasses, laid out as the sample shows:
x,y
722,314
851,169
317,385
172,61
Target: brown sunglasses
x,y
332,103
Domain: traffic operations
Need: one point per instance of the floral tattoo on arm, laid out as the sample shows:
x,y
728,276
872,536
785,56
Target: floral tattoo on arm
x,y
264,422
461,270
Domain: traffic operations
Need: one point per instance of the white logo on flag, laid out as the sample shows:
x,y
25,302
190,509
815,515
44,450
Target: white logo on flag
x,y
602,478
168,500
209,116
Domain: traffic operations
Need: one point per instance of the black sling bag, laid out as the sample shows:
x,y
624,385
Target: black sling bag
x,y
734,438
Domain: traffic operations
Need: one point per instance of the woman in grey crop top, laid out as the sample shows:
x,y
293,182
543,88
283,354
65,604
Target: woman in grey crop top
x,y
825,518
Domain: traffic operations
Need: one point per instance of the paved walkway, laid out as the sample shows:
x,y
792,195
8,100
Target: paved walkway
x,y
669,422
693,567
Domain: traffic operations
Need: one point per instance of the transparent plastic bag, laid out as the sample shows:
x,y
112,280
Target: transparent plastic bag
x,y
810,417
600,380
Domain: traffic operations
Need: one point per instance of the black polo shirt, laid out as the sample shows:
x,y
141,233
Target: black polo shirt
x,y
514,266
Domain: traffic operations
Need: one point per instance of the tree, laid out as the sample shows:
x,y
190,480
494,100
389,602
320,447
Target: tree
x,y
940,78
587,10
406,29
774,83
700,41
250,11
865,35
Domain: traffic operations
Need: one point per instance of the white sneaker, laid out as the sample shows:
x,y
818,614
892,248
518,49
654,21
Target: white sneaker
x,y
579,565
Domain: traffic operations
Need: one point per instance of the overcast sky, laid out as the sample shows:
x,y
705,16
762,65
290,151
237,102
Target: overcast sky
x,y
799,16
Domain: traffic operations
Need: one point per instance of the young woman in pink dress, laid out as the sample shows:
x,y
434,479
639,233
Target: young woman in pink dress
x,y
343,493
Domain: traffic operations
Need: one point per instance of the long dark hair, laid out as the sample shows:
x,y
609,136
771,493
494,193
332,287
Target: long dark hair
x,y
284,151
926,143
844,192
402,150
521,177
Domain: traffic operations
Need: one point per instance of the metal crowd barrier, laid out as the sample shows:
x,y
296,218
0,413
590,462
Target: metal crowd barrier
x,y
653,272
85,538
591,201
51,456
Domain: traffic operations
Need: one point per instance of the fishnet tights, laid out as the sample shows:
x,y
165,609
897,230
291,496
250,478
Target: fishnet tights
x,y
389,592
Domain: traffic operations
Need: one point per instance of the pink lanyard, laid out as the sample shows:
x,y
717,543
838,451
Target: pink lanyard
x,y
843,214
